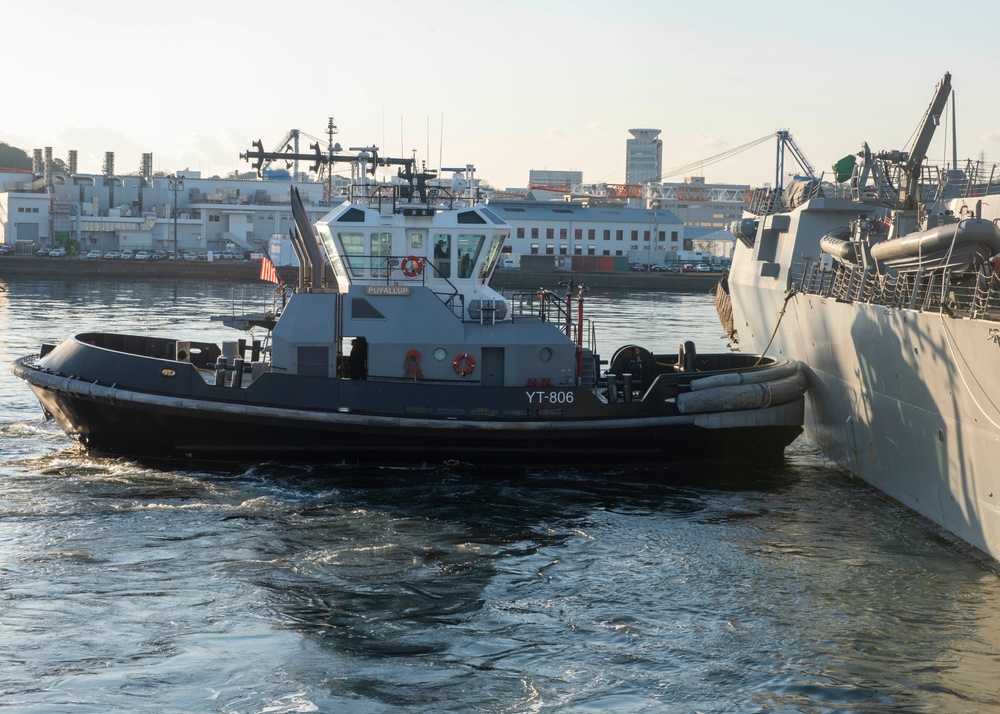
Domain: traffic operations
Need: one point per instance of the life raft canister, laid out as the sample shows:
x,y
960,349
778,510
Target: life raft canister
x,y
412,266
464,364
411,366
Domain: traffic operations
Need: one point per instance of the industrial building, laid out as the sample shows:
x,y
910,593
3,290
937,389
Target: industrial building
x,y
182,213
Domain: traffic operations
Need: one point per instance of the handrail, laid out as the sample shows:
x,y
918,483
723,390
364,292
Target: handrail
x,y
972,295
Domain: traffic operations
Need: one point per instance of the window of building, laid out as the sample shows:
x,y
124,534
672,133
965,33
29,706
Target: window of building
x,y
578,249
520,232
534,248
563,249
662,236
213,218
550,233
673,236
577,234
591,250
534,234
562,234
618,252
607,234
635,235
619,234
550,249
645,236
591,234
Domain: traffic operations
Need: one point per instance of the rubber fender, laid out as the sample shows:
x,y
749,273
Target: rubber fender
x,y
743,396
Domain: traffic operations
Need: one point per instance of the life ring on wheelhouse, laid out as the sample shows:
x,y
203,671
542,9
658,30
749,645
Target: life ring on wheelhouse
x,y
412,266
464,364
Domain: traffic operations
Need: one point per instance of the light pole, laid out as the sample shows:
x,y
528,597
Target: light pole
x,y
175,184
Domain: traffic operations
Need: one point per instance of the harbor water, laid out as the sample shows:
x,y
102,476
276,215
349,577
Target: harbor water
x,y
458,587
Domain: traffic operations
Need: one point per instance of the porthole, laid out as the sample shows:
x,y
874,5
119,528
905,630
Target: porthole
x,y
545,354
440,353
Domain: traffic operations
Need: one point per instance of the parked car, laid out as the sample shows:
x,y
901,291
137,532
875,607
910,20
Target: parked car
x,y
6,250
688,268
509,264
203,255
126,255
94,254
189,256
142,255
111,255
702,268
42,252
158,255
658,268
57,253
637,268
227,255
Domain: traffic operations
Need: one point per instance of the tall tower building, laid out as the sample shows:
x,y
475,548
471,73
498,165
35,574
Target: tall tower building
x,y
643,156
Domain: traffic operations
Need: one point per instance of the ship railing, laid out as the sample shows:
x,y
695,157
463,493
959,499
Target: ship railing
x,y
390,197
548,306
971,295
767,201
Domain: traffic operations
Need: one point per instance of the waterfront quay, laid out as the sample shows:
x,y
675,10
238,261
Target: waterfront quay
x,y
245,271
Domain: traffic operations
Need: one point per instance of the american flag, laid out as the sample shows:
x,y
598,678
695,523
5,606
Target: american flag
x,y
267,271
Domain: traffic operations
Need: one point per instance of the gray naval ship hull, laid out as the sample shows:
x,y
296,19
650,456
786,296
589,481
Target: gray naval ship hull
x,y
905,397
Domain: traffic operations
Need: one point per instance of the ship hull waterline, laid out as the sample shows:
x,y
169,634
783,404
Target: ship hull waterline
x,y
145,425
894,399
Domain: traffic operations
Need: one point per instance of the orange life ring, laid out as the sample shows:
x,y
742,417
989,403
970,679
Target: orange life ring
x,y
412,266
464,364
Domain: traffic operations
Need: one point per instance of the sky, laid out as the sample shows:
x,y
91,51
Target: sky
x,y
507,86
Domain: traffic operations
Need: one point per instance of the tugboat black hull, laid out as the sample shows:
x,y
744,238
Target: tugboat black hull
x,y
164,433
206,423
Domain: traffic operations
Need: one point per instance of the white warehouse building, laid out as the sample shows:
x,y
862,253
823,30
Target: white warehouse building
x,y
573,228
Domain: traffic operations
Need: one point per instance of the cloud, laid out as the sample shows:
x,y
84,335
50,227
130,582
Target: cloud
x,y
710,141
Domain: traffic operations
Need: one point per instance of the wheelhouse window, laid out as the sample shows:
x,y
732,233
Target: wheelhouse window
x,y
354,252
468,253
332,255
381,250
442,255
492,254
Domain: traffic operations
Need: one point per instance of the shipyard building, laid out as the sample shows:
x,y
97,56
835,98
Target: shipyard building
x,y
184,212
559,215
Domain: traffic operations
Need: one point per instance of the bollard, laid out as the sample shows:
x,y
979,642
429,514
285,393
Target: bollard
x,y
220,372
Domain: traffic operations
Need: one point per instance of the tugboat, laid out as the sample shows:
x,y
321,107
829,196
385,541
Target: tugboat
x,y
410,356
